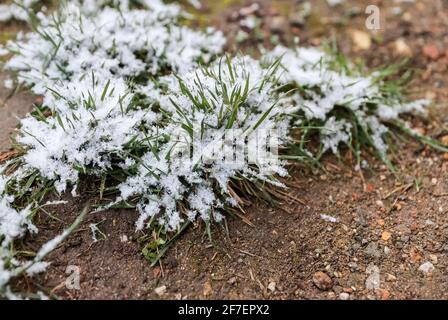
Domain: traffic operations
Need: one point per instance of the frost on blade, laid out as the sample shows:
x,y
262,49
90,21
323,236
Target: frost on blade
x,y
333,133
337,101
13,224
112,43
91,124
237,94
16,10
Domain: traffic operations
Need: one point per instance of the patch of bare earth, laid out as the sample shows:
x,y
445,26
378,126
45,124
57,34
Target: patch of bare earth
x,y
355,237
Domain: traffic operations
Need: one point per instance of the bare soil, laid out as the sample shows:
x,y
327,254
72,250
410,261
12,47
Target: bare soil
x,y
392,223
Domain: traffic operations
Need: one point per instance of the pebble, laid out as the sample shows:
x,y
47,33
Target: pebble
x,y
426,268
382,294
431,51
297,20
361,40
391,277
344,296
444,140
372,250
373,281
402,48
249,10
160,290
178,296
322,281
353,266
232,280
207,289
328,218
433,258
271,286
385,236
278,24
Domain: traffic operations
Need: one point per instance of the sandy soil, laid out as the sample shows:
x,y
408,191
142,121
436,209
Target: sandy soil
x,y
385,227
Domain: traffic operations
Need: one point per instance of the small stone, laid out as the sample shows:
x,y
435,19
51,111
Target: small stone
x,y
353,266
415,255
249,10
385,236
232,280
426,268
160,290
278,24
362,40
403,48
207,289
348,290
420,131
156,272
407,16
322,281
39,100
430,95
373,281
444,140
431,51
372,250
391,277
271,286
297,20
124,238
344,296
178,296
433,258
382,294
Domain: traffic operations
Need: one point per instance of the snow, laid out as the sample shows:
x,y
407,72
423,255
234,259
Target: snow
x,y
89,130
189,179
16,10
326,90
109,43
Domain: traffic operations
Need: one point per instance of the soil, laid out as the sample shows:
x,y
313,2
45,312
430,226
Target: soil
x,y
368,234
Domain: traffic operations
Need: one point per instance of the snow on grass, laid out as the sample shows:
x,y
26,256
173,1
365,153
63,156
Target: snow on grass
x,y
347,107
137,43
16,10
91,123
207,110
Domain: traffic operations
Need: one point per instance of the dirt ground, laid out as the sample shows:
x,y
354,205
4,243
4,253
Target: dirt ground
x,y
384,228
